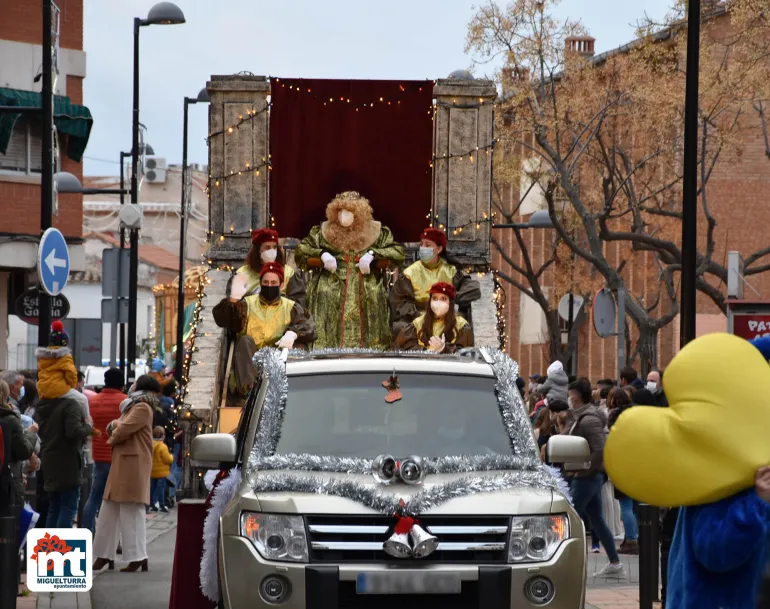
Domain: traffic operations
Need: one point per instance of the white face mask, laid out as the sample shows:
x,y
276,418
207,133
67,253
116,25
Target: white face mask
x,y
439,307
427,254
346,218
570,402
269,255
652,386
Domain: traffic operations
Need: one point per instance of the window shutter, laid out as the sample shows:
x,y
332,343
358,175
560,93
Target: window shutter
x,y
15,157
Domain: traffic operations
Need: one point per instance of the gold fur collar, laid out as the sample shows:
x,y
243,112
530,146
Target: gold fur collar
x,y
361,234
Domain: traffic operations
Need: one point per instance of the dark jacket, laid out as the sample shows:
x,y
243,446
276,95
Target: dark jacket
x,y
163,416
22,447
588,422
62,433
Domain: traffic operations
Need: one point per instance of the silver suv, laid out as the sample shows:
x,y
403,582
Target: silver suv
x,y
392,480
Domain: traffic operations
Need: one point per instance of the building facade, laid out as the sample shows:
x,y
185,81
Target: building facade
x,y
739,200
21,145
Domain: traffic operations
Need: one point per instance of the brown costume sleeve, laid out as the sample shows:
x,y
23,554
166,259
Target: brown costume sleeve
x,y
230,315
302,325
403,306
468,289
296,289
407,339
464,340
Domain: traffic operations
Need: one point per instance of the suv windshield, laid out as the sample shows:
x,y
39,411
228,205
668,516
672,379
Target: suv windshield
x,y
345,415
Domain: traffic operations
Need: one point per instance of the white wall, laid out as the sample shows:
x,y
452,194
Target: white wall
x,y
85,303
21,61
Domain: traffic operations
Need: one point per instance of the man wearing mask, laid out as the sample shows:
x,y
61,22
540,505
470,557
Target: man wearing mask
x,y
347,293
586,421
655,386
261,320
15,381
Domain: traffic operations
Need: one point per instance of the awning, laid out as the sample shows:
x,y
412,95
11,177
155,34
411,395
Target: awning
x,y
70,119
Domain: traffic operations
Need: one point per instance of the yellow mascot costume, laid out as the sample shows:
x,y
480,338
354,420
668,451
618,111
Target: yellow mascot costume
x,y
709,452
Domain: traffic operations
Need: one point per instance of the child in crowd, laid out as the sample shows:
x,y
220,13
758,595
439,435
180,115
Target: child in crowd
x,y
161,467
56,372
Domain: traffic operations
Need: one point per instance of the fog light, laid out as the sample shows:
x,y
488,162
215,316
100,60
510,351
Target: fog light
x,y
274,589
539,590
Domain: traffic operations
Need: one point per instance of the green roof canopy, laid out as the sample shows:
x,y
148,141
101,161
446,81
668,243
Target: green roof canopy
x,y
70,119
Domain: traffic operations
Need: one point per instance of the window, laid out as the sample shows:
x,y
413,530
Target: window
x,y
25,150
345,415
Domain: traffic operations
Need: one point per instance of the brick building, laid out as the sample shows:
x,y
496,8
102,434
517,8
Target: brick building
x,y
20,143
739,197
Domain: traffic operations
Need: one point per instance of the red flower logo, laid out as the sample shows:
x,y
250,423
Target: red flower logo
x,y
50,544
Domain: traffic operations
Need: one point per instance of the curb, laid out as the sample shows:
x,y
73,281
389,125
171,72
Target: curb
x,y
64,600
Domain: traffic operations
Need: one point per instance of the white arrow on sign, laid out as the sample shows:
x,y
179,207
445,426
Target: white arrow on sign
x,y
53,262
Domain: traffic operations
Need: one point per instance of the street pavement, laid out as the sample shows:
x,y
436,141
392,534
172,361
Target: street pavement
x,y
116,590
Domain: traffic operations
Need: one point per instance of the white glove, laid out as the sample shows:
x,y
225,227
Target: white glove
x,y
287,340
330,262
239,286
437,344
365,263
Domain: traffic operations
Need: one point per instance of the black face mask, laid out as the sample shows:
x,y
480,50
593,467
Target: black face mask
x,y
270,293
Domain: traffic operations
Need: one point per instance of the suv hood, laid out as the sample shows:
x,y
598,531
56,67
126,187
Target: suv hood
x,y
505,502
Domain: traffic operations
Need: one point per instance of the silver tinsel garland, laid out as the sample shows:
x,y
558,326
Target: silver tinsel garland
x,y
388,502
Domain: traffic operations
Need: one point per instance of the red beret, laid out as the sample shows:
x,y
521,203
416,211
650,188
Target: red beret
x,y
263,235
443,288
437,236
272,267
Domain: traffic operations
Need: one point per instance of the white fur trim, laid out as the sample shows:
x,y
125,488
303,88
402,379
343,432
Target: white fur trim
x,y
209,478
52,352
223,495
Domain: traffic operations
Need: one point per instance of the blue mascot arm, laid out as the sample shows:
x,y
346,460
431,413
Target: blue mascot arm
x,y
763,344
726,533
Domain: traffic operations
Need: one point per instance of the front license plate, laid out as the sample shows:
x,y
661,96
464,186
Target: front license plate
x,y
407,582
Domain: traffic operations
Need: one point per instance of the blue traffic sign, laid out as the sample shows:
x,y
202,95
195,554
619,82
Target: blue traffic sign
x,y
53,261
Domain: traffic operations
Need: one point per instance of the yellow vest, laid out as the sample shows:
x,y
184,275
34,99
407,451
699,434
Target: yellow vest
x,y
423,278
267,323
255,280
438,328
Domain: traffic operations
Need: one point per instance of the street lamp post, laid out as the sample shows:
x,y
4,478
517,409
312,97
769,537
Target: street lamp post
x,y
163,13
203,97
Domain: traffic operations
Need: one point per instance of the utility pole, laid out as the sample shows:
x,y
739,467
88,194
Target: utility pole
x,y
690,181
122,330
48,165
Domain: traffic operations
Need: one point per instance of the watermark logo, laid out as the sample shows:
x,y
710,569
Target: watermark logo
x,y
59,560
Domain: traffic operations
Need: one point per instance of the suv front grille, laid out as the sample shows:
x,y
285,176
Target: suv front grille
x,y
467,539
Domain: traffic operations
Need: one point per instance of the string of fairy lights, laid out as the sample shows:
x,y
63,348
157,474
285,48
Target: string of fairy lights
x,y
500,300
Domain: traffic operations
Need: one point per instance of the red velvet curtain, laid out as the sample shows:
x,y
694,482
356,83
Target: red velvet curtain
x,y
330,136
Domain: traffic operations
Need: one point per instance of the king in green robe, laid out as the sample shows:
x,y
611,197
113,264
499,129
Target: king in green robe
x,y
347,257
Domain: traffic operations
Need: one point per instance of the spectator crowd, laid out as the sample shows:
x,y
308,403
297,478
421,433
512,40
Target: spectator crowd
x,y
98,458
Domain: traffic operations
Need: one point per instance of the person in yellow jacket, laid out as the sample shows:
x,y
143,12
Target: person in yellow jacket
x,y
161,469
267,319
264,250
439,329
410,293
56,372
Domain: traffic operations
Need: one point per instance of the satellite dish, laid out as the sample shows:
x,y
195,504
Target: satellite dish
x,y
577,304
604,313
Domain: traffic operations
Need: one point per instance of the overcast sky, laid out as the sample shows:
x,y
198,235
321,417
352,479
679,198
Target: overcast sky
x,y
409,39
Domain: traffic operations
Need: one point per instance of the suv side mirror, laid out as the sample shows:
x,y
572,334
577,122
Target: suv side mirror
x,y
214,448
571,451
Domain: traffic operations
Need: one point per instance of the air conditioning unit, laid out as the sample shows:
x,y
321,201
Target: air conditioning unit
x,y
155,176
154,163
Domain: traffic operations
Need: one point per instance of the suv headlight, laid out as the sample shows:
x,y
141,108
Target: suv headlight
x,y
276,537
536,538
